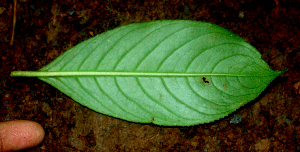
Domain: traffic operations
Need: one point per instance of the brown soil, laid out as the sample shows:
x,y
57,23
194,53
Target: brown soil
x,y
45,29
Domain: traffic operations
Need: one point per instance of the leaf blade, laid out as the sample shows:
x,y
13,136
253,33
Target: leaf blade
x,y
149,69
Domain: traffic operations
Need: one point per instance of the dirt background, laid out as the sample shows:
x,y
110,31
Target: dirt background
x,y
45,29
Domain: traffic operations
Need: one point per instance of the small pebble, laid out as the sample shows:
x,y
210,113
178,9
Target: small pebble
x,y
236,119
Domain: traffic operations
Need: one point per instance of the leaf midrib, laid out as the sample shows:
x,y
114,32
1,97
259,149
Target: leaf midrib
x,y
129,74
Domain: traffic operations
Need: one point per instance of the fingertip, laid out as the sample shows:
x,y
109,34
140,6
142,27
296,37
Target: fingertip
x,y
20,134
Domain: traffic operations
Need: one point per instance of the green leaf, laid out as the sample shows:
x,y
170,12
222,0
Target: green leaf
x,y
173,73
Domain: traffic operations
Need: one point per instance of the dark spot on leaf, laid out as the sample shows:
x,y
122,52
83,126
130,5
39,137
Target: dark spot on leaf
x,y
204,80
